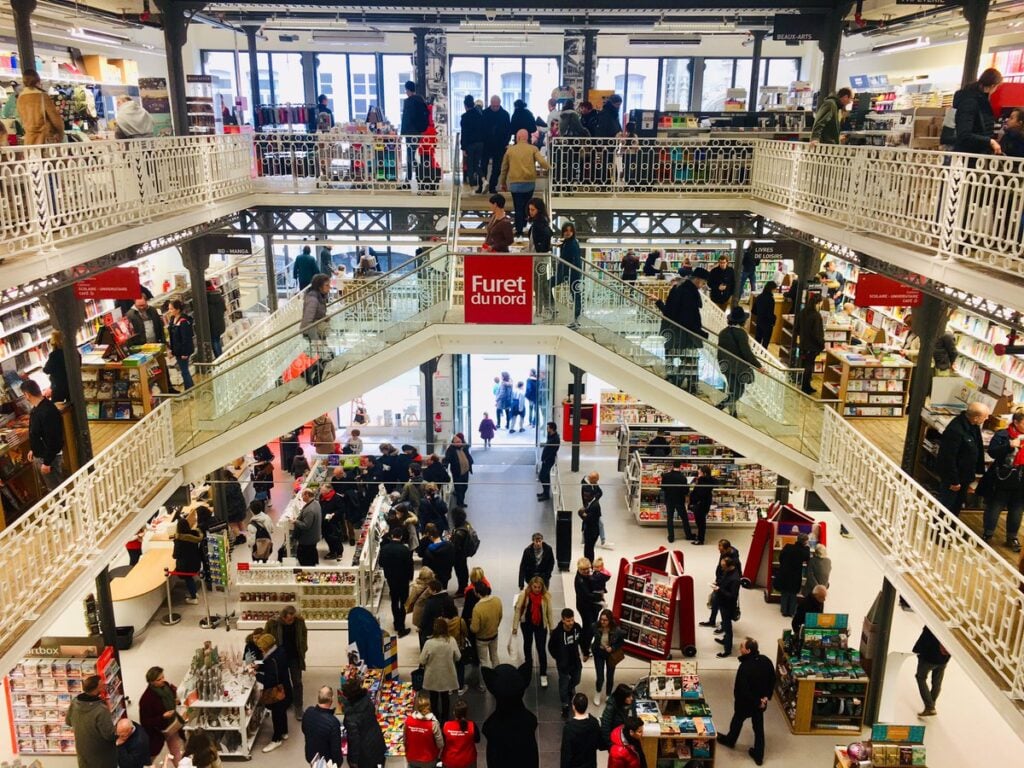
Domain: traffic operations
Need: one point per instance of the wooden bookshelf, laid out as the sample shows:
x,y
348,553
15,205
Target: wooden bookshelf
x,y
867,386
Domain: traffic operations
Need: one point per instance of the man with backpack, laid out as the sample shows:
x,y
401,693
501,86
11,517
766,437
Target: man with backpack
x,y
465,542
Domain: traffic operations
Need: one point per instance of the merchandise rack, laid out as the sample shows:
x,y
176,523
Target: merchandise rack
x,y
837,334
771,534
653,602
617,409
119,392
868,386
323,594
892,746
678,728
240,714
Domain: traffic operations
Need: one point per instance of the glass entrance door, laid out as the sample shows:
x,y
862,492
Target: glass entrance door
x,y
461,400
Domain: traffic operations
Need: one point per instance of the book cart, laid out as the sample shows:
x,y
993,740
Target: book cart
x,y
891,746
678,729
653,602
820,683
771,534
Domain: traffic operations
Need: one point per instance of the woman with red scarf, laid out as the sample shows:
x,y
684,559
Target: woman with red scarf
x,y
1005,481
533,614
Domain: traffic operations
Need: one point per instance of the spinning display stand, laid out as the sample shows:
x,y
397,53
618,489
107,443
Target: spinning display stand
x,y
654,604
770,536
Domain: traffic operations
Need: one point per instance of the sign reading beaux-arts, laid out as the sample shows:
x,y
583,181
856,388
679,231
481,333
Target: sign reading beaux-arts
x,y
499,289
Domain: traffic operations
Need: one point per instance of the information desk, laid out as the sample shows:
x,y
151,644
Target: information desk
x,y
139,594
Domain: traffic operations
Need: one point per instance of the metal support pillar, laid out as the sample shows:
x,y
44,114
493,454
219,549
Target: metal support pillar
x,y
929,323
577,408
197,262
806,266
885,604
268,259
254,72
428,369
175,35
755,70
830,44
737,270
309,78
976,14
589,63
68,316
419,60
22,11
105,610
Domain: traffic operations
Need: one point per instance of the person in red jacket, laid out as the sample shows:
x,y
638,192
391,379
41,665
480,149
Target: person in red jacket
x,y
461,735
626,751
423,740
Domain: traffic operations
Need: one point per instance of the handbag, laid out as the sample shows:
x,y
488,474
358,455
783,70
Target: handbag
x,y
269,696
417,679
616,656
174,727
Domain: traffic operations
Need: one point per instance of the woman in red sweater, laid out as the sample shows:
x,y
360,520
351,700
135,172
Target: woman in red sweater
x,y
461,735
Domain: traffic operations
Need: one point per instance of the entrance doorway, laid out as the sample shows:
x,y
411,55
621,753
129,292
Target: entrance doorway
x,y
477,386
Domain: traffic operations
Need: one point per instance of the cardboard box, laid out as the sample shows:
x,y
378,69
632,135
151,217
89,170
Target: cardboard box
x,y
128,70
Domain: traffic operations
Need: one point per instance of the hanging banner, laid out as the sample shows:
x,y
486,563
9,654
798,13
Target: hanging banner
x,y
116,283
499,289
881,291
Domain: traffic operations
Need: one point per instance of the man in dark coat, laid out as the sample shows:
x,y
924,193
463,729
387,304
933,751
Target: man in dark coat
x,y
961,457
147,325
810,330
753,689
674,490
132,745
727,594
522,118
217,309
471,139
322,729
932,658
415,119
608,126
789,577
538,560
722,283
366,745
45,436
497,127
736,359
681,309
548,457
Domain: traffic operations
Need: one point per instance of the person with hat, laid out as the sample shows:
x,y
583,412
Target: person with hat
x,y
736,359
682,329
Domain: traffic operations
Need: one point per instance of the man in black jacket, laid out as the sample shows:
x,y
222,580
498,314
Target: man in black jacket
x,y
45,436
674,490
216,308
548,457
581,736
564,646
682,329
727,593
722,283
322,728
147,325
471,139
497,126
961,457
414,125
753,689
608,126
396,561
538,560
437,605
932,658
789,576
132,745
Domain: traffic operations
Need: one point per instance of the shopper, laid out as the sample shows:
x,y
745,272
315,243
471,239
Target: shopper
x,y
532,381
519,175
182,339
727,592
314,324
819,570
789,575
961,456
306,529
354,443
290,634
682,329
538,560
432,509
395,560
305,268
540,227
273,675
548,457
764,314
701,495
752,690
415,118
504,400
321,728
617,709
581,737
45,436
56,369
332,524
1012,141
262,530
464,542
147,325
459,462
497,130
932,658
569,272
626,749
722,283
630,266
974,121
607,650
323,434
518,405
39,117
590,489
533,615
658,446
590,514
461,735
471,141
89,718
810,330
736,359
132,120
829,116
438,658
485,625
438,554
674,490
132,745
588,603
158,715
487,429
216,309
1005,478
366,745
202,750
187,552
437,603
564,645
412,490
813,603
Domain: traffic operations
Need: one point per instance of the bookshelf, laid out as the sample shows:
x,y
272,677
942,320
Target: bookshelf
x,y
678,728
771,534
654,602
836,334
617,408
976,338
868,386
323,594
120,391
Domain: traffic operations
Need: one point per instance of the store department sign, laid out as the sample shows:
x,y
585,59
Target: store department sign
x,y
881,291
793,26
116,283
499,289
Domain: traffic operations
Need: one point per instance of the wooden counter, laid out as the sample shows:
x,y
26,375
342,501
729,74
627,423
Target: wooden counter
x,y
140,593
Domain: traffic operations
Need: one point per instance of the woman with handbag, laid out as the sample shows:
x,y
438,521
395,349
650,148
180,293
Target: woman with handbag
x,y
458,631
276,696
533,614
609,649
159,717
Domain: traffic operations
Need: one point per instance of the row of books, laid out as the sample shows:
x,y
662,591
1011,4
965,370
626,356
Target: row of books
x,y
113,410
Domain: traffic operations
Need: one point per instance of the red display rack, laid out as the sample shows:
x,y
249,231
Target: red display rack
x,y
654,605
770,535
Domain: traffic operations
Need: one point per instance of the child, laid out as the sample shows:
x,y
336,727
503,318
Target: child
x,y
354,444
599,578
487,428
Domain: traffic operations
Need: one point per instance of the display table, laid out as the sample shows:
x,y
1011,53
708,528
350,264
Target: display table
x,y
123,391
139,594
676,717
867,386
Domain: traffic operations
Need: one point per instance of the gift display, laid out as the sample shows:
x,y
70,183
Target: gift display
x,y
220,695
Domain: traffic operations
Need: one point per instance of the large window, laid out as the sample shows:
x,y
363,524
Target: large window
x,y
530,78
362,78
721,74
220,65
675,84
542,77
396,71
718,74
504,79
635,80
332,82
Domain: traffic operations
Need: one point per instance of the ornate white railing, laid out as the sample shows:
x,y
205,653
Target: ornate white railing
x,y
973,589
59,538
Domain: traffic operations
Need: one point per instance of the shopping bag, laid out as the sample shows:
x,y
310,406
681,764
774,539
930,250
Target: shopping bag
x,y
298,366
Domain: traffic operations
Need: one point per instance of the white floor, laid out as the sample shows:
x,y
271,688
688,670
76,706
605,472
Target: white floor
x,y
965,719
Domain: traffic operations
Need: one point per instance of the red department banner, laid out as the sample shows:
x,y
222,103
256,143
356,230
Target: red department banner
x,y
881,291
499,289
116,283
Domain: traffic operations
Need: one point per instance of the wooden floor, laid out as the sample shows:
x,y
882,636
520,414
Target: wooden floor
x,y
103,433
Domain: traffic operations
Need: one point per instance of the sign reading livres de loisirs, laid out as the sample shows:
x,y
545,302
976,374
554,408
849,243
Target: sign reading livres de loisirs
x,y
499,289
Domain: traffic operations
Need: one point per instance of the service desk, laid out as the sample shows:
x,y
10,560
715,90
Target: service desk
x,y
139,594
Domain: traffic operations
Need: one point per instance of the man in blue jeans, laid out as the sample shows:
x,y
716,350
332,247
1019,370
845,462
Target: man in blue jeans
x,y
564,647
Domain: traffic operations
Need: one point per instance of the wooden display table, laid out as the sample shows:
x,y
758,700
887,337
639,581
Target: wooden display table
x,y
867,386
797,696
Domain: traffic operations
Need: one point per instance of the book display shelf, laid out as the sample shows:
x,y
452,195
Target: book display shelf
x,y
780,526
653,601
891,746
221,697
868,386
618,408
699,255
820,684
121,391
678,728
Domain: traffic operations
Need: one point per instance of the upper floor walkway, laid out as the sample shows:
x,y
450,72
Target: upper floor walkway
x,y
951,218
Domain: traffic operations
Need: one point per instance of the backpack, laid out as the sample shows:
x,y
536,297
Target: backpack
x,y
262,549
469,542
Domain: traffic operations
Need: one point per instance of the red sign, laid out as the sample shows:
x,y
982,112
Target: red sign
x,y
499,289
881,291
116,283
